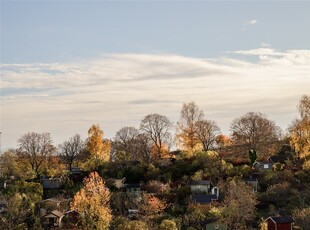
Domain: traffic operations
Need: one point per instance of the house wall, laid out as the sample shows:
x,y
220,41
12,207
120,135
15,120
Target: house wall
x,y
271,225
286,226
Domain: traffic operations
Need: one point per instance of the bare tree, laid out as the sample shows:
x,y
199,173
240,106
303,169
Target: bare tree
x,y
207,132
255,131
157,128
125,141
186,127
143,147
71,150
36,147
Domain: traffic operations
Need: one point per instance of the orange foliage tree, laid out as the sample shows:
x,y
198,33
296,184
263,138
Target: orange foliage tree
x,y
151,205
92,202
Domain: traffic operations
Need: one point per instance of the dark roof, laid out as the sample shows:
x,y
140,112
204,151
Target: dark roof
x,y
200,182
281,219
133,185
276,159
251,179
263,162
203,199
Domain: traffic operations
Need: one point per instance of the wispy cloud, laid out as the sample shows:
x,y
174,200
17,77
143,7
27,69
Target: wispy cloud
x,y
248,23
119,89
251,22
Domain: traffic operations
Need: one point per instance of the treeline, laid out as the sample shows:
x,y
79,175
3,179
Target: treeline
x,y
153,139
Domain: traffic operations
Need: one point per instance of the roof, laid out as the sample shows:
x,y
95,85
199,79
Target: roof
x,y
203,199
251,179
263,162
200,182
281,219
133,185
276,159
54,213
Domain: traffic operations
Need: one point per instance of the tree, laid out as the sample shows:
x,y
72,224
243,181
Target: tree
x,y
302,217
125,142
238,210
15,213
207,131
300,129
186,127
151,205
134,224
304,107
9,166
168,225
157,128
97,146
222,141
69,151
92,203
37,148
252,156
254,131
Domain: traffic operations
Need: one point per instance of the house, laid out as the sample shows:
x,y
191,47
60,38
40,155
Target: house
x,y
2,185
119,183
53,219
204,199
48,205
280,223
133,187
263,166
76,175
253,182
200,186
214,224
51,183
133,213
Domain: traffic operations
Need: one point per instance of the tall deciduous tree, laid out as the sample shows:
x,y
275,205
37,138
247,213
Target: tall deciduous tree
x,y
254,131
36,147
187,126
125,142
300,129
157,128
92,202
207,131
69,151
97,146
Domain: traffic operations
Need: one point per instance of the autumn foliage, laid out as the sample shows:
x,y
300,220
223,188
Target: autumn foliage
x,y
92,203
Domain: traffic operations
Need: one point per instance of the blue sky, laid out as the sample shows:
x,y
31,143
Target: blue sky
x,y
68,64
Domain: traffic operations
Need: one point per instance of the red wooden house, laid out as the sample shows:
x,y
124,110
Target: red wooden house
x,y
280,223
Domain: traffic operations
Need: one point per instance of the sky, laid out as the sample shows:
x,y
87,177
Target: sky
x,y
66,65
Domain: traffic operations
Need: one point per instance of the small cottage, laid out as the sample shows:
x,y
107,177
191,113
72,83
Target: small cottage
x,y
263,166
253,182
280,223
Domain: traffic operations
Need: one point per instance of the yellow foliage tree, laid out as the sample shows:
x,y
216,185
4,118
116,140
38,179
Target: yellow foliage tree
x,y
92,203
97,146
300,129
